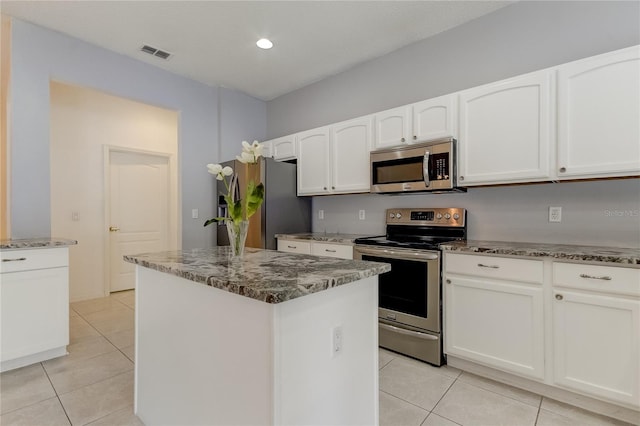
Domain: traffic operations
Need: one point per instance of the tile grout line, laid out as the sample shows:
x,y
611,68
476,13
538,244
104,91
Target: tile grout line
x,y
64,410
506,396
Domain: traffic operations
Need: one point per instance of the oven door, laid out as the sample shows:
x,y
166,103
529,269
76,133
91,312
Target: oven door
x,y
410,293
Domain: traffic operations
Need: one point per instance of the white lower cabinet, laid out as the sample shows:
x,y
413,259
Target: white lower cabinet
x,y
318,248
591,313
34,299
596,336
496,322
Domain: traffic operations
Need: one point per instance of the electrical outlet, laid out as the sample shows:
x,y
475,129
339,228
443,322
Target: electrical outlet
x,y
555,214
321,214
361,215
336,337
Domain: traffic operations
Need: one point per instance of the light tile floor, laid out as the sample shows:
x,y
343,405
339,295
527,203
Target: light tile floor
x,y
94,384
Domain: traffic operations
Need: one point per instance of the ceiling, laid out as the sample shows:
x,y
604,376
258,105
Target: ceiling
x,y
213,42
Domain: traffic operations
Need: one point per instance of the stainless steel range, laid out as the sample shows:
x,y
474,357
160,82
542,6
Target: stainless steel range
x,y
410,303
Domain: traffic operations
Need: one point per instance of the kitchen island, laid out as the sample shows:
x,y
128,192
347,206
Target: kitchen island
x,y
271,338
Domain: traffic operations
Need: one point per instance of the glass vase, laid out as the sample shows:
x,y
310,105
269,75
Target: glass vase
x,y
237,236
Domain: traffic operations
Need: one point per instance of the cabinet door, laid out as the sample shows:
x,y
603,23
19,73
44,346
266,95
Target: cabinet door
x,y
313,162
34,311
599,116
284,148
393,127
506,131
267,149
340,251
499,324
434,118
294,246
596,345
351,144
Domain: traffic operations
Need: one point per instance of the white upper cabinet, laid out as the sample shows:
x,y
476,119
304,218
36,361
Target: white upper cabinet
x,y
313,162
599,116
350,146
393,127
335,159
281,149
506,131
434,118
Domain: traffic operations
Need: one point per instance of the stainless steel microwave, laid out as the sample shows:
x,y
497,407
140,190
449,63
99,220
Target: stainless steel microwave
x,y
424,167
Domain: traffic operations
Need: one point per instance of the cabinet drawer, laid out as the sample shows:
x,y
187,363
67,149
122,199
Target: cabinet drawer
x,y
495,267
291,246
607,279
332,250
26,260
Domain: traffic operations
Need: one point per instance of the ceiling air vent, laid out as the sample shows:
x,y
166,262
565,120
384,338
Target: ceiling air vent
x,y
154,51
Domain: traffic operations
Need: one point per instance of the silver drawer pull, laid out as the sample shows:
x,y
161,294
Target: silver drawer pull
x,y
412,333
591,277
330,251
482,265
19,259
292,246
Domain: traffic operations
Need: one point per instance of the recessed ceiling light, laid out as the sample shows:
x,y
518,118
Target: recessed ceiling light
x,y
264,43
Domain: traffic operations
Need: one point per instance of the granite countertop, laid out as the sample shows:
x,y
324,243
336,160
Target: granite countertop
x,y
619,255
323,237
265,275
30,243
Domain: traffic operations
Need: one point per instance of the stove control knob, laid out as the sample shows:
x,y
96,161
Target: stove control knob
x,y
447,216
456,216
398,215
439,216
391,215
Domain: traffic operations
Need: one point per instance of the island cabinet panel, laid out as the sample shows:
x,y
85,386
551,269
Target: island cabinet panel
x,y
206,356
596,331
491,318
599,116
507,131
34,289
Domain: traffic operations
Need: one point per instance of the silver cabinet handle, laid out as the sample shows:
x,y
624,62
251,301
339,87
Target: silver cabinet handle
x,y
448,281
482,265
292,246
461,177
563,169
559,297
398,330
19,259
402,140
415,137
592,277
330,251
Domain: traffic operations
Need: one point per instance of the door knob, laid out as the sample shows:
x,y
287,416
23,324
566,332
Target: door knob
x,y
113,229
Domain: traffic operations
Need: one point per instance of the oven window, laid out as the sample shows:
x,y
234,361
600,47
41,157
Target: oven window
x,y
398,171
404,288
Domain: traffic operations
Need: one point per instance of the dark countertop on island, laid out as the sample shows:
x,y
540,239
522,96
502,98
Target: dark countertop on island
x,y
620,255
31,243
265,275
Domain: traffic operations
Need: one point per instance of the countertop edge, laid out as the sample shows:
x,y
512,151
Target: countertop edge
x,y
620,256
35,243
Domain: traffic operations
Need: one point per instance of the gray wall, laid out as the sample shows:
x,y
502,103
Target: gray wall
x,y
520,38
40,55
242,118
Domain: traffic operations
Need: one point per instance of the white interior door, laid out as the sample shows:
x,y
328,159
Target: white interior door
x,y
139,216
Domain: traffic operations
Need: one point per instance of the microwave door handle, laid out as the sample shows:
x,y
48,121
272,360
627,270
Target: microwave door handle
x,y
425,169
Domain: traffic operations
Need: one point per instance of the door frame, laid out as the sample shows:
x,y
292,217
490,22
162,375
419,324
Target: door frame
x,y
175,212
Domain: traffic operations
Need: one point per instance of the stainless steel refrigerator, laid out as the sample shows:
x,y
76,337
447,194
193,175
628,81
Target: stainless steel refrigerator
x,y
282,211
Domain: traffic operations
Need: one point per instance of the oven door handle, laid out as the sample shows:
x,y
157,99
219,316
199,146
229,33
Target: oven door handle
x,y
425,169
398,254
399,330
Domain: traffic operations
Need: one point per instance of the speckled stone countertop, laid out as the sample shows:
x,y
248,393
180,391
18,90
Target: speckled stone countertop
x,y
623,256
265,275
31,243
323,237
